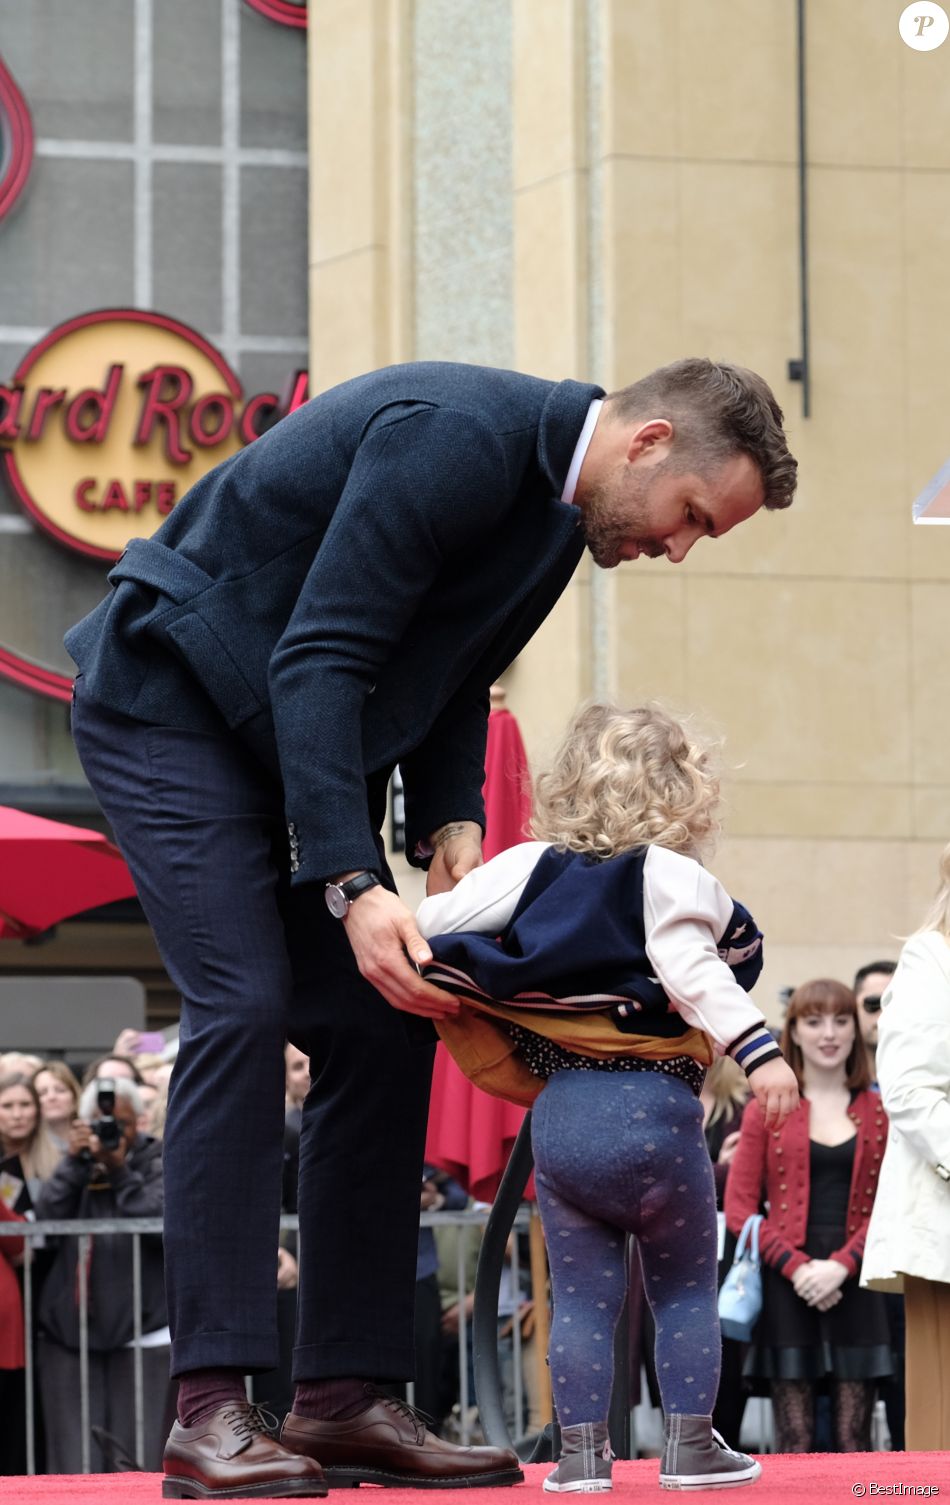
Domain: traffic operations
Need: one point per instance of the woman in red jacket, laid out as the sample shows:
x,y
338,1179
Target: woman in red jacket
x,y
818,1176
12,1354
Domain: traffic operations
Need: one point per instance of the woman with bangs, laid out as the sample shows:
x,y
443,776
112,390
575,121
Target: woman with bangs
x,y
602,968
818,1175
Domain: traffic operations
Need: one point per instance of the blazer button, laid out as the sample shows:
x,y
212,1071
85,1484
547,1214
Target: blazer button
x,y
775,1134
783,1187
785,1207
851,1228
865,1210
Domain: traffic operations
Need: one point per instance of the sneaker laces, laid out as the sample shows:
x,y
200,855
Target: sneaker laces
x,y
248,1421
720,1441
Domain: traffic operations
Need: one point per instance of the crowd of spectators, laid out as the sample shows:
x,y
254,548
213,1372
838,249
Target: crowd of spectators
x,y
74,1150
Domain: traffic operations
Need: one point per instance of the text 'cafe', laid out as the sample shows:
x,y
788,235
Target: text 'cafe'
x,y
114,416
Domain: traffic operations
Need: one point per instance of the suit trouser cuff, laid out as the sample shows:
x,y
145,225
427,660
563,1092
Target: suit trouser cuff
x,y
371,1361
252,1353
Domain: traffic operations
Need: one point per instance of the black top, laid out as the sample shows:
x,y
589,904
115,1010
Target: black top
x,y
830,1171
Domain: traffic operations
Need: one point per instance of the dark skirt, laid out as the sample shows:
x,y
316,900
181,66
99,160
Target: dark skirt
x,y
794,1341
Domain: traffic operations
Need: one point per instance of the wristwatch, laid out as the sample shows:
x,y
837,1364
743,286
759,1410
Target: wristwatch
x,y
340,896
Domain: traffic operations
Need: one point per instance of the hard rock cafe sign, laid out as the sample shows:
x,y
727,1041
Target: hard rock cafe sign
x,y
109,421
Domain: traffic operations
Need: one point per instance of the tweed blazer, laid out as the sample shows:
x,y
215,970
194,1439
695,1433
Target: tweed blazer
x,y
344,591
775,1166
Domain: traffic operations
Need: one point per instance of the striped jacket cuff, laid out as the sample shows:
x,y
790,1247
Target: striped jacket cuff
x,y
754,1048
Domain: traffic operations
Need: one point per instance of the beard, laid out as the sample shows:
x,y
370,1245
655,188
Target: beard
x,y
616,513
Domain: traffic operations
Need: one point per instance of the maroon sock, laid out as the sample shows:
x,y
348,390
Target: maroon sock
x,y
202,1391
331,1400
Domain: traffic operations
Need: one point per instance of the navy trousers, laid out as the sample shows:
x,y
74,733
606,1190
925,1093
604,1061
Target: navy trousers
x,y
201,825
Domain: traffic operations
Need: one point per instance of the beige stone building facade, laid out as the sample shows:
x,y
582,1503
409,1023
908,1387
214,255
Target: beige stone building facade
x,y
590,188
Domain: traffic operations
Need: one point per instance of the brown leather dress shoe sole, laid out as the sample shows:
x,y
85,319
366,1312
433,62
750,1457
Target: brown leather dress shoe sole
x,y
231,1455
388,1443
287,1489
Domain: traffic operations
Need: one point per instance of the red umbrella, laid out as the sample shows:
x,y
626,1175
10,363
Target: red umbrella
x,y
49,871
470,1133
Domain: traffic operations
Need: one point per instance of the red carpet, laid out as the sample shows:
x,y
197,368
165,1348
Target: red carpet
x,y
814,1478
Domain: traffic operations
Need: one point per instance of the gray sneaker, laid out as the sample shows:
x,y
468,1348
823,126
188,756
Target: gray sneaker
x,y
585,1461
695,1457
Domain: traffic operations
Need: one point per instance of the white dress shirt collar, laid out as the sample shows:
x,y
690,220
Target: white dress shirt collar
x,y
577,460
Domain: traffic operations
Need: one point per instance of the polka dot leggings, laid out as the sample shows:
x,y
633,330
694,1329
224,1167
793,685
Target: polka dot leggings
x,y
619,1153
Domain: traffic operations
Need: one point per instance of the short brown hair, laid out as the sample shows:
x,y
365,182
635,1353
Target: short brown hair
x,y
826,996
717,410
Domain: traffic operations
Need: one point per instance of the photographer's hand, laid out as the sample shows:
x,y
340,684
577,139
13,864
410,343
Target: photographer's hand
x,y
80,1138
113,1160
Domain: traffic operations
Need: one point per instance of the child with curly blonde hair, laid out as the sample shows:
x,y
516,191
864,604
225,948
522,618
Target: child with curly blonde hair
x,y
603,968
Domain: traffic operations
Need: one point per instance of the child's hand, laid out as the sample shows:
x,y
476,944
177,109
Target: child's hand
x,y
775,1088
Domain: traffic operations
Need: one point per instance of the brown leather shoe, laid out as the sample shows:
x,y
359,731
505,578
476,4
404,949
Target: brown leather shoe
x,y
231,1455
390,1444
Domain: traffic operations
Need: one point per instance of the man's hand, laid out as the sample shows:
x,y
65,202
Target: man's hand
x,y
458,849
381,930
818,1281
775,1088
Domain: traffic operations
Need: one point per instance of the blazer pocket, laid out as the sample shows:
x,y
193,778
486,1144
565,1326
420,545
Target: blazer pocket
x,y
214,668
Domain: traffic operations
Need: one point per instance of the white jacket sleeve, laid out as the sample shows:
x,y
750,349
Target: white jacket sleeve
x,y
913,1053
486,898
686,911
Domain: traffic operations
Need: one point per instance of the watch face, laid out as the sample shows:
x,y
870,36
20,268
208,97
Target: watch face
x,y
337,902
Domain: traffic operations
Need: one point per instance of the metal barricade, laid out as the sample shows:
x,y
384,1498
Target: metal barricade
x,y
85,1229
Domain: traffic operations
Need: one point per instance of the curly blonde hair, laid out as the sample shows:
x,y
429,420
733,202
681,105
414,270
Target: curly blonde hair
x,y
622,779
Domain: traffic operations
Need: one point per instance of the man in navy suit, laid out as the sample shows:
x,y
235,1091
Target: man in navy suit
x,y
333,600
